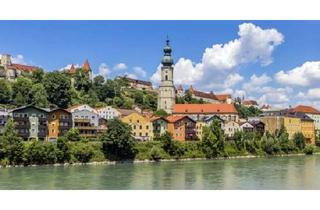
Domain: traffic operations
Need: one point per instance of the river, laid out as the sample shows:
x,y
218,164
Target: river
x,y
294,172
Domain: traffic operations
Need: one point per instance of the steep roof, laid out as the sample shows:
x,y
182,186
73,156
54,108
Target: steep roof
x,y
250,102
29,106
305,109
86,65
204,108
176,118
23,67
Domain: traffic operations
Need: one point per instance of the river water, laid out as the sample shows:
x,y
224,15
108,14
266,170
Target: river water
x,y
295,172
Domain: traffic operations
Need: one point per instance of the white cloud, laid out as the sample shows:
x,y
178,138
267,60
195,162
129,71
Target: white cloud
x,y
104,70
120,66
254,44
19,59
232,80
139,72
305,75
256,82
130,75
69,66
278,97
312,94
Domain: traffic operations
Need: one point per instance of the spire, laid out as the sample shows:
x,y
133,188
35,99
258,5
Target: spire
x,y
86,65
72,69
167,60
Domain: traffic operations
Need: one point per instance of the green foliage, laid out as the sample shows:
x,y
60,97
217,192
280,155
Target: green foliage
x,y
118,142
64,151
21,90
155,153
245,112
58,87
39,95
5,92
37,76
40,153
83,152
73,135
299,140
82,81
161,113
309,149
11,146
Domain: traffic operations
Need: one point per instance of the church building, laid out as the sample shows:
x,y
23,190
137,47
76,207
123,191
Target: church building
x,y
166,94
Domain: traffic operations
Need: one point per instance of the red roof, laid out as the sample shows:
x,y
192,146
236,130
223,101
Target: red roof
x,y
223,97
306,109
23,67
203,108
176,118
250,102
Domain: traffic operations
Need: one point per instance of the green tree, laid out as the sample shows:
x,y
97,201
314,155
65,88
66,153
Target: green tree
x,y
57,86
212,143
73,135
37,76
39,95
299,140
11,145
161,113
107,90
22,91
82,81
118,101
83,152
98,81
138,97
91,98
118,142
167,143
64,153
5,92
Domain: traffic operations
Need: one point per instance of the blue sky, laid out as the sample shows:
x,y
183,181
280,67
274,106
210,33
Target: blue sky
x,y
250,63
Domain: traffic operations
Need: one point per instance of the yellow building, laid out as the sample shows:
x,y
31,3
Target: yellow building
x,y
293,124
199,127
141,126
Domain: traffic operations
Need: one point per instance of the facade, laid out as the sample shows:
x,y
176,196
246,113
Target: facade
x,y
86,70
87,122
159,125
310,112
226,112
10,71
249,103
108,112
59,123
206,121
224,98
230,128
206,97
258,126
125,112
31,122
182,128
82,107
137,84
246,127
166,92
4,116
141,126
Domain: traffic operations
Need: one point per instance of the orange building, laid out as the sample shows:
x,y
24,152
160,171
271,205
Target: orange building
x,y
182,128
59,122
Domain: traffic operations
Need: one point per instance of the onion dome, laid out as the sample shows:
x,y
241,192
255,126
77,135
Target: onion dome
x,y
167,60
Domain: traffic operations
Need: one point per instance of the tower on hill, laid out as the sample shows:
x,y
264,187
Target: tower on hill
x,y
166,95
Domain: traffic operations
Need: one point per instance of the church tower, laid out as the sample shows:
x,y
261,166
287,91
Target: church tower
x,y
166,94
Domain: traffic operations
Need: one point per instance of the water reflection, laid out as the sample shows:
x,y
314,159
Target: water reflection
x,y
301,172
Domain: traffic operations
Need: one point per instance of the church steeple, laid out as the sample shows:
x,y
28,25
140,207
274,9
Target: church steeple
x,y
166,96
167,60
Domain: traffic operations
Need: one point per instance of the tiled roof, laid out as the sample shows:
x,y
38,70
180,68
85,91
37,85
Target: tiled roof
x,y
86,66
250,102
176,118
23,67
72,70
223,97
126,112
154,118
305,109
204,108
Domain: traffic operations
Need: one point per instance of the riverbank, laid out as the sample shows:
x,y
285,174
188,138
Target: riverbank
x,y
107,162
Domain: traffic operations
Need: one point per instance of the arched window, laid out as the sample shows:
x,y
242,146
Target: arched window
x,y
166,77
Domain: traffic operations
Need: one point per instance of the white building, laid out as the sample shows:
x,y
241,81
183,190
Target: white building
x,y
82,107
230,128
108,112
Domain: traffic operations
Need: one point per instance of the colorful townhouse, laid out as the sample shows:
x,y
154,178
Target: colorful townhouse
x,y
182,128
141,126
59,123
159,125
293,124
31,122
87,122
108,112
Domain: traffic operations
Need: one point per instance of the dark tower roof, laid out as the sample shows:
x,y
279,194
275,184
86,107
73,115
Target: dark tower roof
x,y
167,60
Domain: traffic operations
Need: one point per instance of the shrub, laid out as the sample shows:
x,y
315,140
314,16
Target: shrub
x,y
155,153
73,135
40,153
83,152
299,140
63,150
309,149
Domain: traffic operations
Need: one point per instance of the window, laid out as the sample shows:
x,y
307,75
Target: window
x,y
146,134
138,121
140,134
53,116
134,127
140,126
166,77
147,127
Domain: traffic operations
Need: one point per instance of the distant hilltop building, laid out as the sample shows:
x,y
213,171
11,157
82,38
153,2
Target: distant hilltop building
x,y
166,92
206,97
86,69
10,71
137,84
249,103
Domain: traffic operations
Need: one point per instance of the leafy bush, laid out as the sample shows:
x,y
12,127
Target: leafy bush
x,y
39,153
309,149
299,140
155,153
83,152
63,153
73,135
